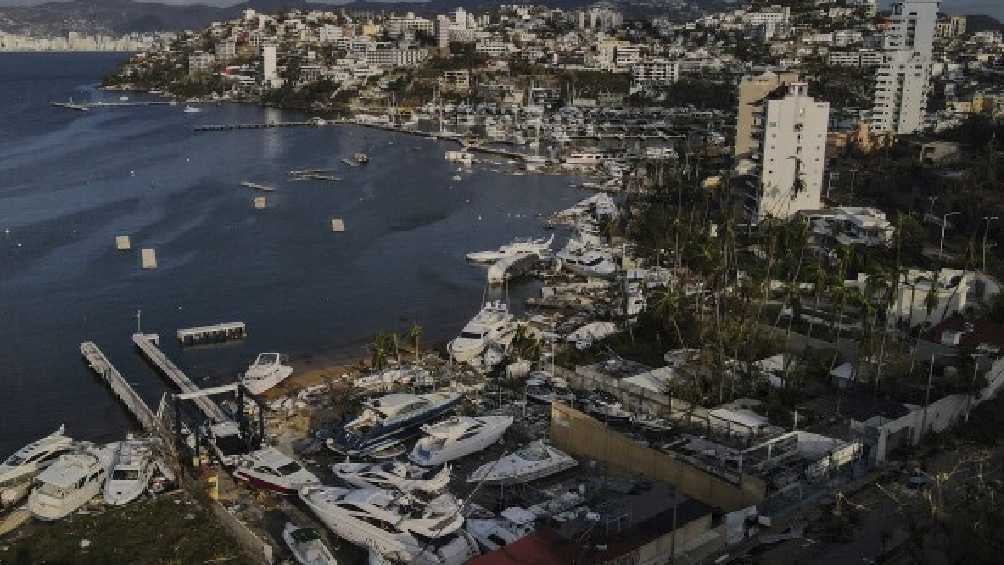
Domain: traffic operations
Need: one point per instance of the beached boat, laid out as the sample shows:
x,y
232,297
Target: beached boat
x,y
69,483
545,389
529,463
458,437
604,407
398,526
518,247
585,261
132,468
306,546
272,469
267,371
192,109
494,533
392,475
388,420
492,324
18,470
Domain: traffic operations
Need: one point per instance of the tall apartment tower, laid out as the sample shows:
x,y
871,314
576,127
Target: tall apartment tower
x,y
443,32
904,77
269,74
792,153
752,91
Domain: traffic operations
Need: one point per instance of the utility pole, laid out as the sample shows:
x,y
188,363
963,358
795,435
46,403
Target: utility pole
x,y
986,229
944,222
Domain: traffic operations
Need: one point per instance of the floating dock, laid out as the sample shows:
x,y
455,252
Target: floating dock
x,y
265,125
120,387
256,186
147,344
215,333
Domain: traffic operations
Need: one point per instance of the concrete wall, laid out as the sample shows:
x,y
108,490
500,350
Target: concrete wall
x,y
580,435
252,545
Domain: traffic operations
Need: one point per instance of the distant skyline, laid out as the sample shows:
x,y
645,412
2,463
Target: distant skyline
x,y
993,8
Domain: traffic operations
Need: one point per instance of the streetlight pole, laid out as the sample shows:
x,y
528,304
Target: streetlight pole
x,y
944,221
986,229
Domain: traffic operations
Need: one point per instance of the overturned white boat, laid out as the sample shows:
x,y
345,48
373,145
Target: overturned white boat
x,y
529,463
518,247
492,324
267,371
398,526
132,468
69,483
272,469
493,533
18,470
458,437
392,475
306,546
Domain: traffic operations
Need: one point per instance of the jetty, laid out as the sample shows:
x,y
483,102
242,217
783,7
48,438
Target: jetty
x,y
85,106
120,387
511,267
262,125
148,345
215,333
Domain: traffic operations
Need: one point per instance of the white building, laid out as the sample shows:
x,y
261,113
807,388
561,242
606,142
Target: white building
x,y
269,70
792,153
653,73
598,19
442,32
929,296
903,79
850,225
200,63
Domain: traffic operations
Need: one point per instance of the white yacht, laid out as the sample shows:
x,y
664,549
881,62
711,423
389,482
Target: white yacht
x,y
529,463
390,419
392,475
69,483
272,469
544,388
131,471
18,470
519,246
192,109
306,546
493,533
587,262
605,407
267,371
398,526
493,324
458,437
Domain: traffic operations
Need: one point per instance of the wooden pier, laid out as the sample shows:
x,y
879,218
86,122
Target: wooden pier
x,y
120,387
147,344
212,334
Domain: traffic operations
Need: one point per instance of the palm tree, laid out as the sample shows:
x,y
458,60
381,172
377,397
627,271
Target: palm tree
x,y
668,307
380,348
414,334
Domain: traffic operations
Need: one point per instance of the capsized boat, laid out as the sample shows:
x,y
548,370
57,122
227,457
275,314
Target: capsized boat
x,y
306,546
529,463
18,470
267,371
272,469
393,475
69,483
518,247
398,526
132,468
492,324
458,437
493,533
389,420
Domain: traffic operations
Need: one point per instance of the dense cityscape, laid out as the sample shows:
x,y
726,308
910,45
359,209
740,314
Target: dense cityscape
x,y
769,331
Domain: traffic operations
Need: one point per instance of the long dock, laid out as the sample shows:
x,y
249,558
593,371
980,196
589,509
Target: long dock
x,y
263,125
147,344
120,387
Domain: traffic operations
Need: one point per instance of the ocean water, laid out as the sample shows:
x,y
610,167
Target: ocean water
x,y
71,181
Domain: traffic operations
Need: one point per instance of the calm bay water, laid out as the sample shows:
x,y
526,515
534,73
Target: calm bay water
x,y
71,181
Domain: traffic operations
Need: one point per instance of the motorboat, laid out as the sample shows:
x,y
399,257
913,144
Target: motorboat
x,y
69,483
585,336
398,526
388,420
192,109
519,246
361,158
545,389
494,533
306,546
651,423
132,468
529,463
458,437
228,442
18,470
585,261
492,324
604,407
267,371
272,469
393,475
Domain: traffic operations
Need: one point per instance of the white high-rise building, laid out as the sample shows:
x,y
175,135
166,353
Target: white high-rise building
x,y
443,25
903,79
791,136
269,74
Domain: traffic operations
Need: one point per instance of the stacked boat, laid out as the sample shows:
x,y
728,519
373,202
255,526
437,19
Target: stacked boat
x,y
388,420
529,463
493,533
458,437
518,247
392,475
70,482
19,470
493,325
267,371
132,469
273,470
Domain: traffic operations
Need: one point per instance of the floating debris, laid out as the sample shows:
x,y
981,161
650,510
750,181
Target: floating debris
x,y
149,258
122,242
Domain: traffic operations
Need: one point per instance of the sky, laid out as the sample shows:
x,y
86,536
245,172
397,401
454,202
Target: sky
x,y
992,7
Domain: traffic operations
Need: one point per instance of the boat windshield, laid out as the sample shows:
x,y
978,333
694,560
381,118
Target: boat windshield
x,y
533,453
305,534
471,335
125,475
289,468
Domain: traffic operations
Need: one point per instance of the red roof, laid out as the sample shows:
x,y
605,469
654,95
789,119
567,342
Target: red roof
x,y
535,549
